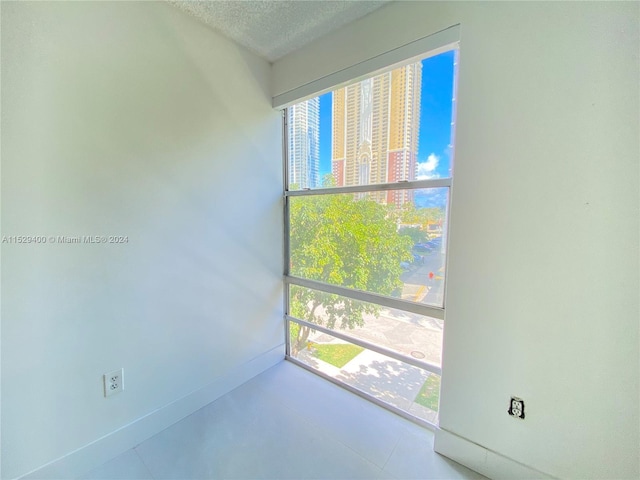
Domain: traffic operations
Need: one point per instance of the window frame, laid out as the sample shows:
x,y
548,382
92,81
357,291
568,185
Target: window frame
x,y
382,300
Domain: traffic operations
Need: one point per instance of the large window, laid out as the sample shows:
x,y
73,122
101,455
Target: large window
x,y
369,168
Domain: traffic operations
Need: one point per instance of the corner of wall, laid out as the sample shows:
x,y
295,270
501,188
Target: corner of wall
x,y
105,448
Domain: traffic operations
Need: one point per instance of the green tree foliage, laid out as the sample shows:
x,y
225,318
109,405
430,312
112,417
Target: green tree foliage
x,y
416,234
342,240
408,214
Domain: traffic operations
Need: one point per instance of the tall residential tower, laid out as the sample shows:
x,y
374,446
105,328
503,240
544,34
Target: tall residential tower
x,y
376,124
303,120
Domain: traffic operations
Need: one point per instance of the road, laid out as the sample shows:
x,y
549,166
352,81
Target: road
x,y
419,287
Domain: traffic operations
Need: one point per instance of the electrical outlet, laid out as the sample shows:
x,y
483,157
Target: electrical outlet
x,y
516,408
113,382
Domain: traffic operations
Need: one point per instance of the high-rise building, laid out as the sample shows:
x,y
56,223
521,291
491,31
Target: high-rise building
x,y
376,125
303,120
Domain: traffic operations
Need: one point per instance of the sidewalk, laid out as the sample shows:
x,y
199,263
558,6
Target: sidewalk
x,y
394,382
386,379
406,333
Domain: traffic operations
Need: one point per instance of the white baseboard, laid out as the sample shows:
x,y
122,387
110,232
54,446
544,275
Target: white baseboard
x,y
86,458
482,460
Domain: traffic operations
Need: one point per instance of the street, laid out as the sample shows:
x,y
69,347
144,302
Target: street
x,y
424,282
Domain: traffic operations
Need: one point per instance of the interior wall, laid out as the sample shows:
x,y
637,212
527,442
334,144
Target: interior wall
x,y
129,119
542,298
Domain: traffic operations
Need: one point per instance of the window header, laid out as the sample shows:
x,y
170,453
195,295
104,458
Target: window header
x,y
413,51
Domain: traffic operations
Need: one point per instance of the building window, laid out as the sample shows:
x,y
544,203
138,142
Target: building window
x,y
366,239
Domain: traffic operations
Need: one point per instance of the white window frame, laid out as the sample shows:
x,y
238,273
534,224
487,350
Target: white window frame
x,y
440,42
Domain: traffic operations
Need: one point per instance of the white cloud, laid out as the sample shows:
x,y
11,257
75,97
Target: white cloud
x,y
426,169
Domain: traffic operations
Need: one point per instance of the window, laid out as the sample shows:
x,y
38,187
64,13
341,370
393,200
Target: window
x,y
366,236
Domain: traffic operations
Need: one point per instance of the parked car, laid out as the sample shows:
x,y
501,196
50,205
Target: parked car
x,y
422,247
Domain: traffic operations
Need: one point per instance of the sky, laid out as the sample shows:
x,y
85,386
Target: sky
x,y
434,151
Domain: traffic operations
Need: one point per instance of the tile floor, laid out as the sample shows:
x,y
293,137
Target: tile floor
x,y
286,423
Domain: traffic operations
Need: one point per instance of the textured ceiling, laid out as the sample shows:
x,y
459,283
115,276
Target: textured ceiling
x,y
273,28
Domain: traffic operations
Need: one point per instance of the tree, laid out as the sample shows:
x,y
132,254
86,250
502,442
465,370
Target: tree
x,y
408,214
416,234
342,240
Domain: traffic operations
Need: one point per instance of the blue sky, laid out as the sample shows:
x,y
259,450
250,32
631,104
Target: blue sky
x,y
435,122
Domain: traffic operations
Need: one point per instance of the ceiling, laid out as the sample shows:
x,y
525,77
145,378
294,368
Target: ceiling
x,y
273,28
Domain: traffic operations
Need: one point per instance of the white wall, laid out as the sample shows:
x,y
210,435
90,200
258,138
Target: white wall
x,y
543,275
130,119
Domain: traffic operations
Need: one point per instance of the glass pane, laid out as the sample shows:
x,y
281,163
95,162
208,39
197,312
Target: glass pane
x,y
392,127
407,333
404,386
390,243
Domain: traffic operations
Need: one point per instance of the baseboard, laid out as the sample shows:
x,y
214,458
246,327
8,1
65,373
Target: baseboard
x,y
482,460
96,453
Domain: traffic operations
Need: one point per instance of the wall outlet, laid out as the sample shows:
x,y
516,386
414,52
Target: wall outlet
x,y
516,408
113,382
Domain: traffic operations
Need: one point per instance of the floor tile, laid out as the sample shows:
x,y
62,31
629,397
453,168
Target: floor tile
x,y
251,436
127,466
287,423
414,459
364,427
